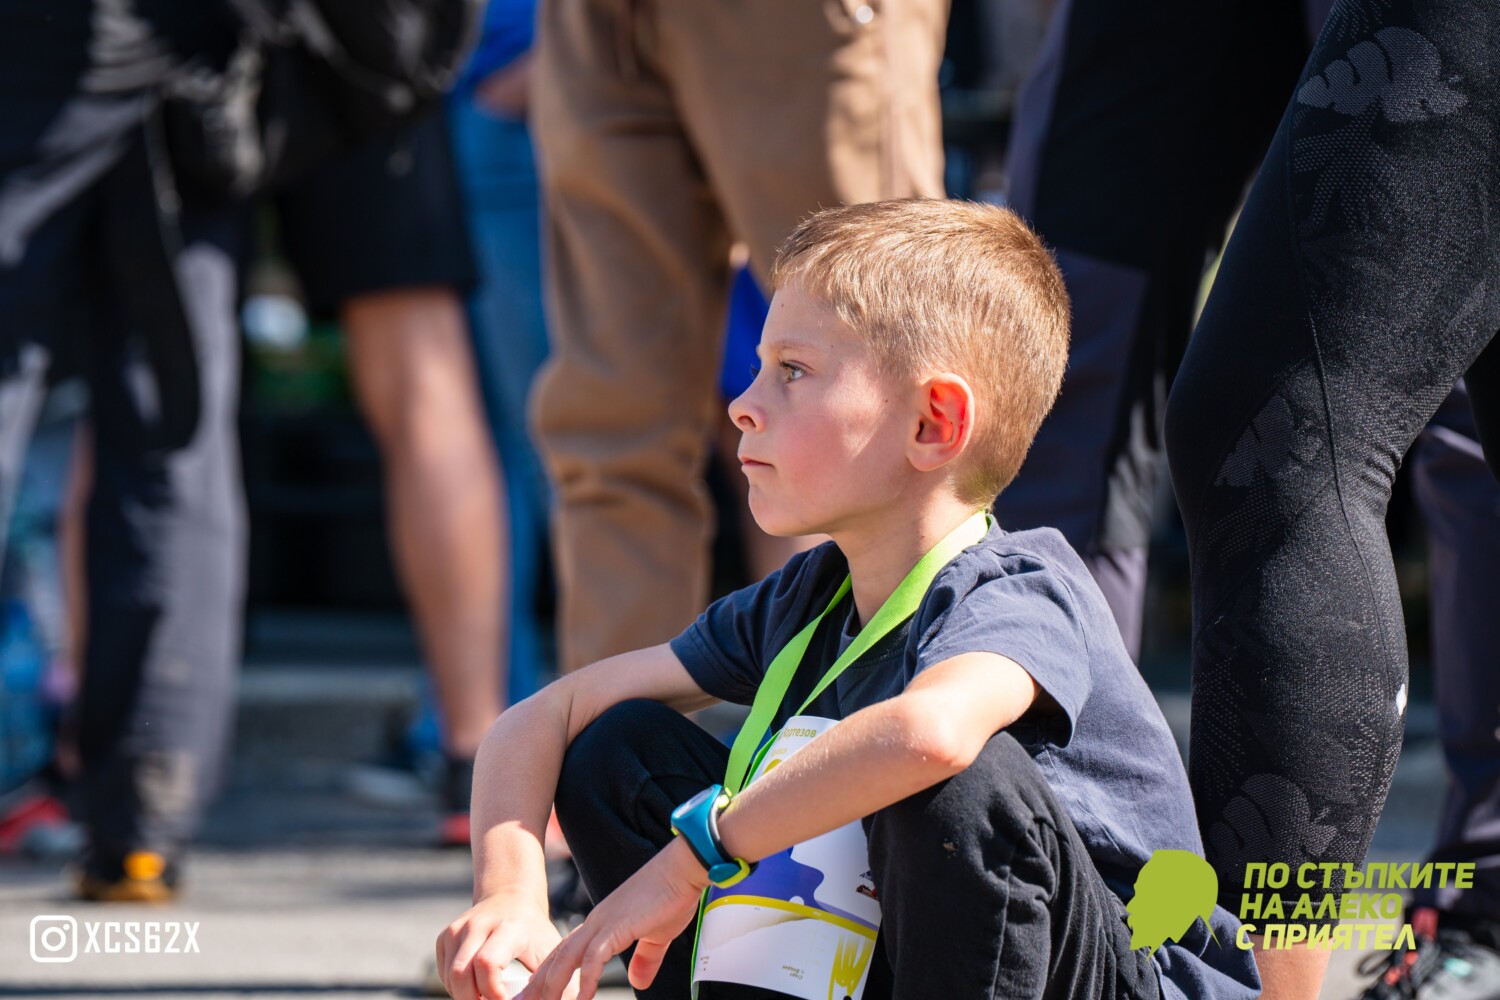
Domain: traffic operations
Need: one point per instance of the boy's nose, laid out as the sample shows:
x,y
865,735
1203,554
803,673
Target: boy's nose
x,y
744,413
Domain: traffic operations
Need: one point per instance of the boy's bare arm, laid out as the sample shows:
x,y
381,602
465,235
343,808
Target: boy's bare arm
x,y
881,754
515,782
516,769
875,757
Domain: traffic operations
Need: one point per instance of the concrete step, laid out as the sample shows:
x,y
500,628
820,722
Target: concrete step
x,y
302,725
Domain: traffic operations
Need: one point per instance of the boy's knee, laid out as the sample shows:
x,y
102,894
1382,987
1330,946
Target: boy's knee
x,y
980,815
989,819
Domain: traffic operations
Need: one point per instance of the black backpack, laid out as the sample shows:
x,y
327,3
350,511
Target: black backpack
x,y
309,79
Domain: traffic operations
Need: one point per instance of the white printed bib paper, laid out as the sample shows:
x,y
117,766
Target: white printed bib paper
x,y
804,923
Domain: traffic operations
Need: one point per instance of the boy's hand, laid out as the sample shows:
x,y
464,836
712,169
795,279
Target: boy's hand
x,y
473,951
652,907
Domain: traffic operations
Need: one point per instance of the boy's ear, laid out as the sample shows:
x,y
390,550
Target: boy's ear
x,y
945,422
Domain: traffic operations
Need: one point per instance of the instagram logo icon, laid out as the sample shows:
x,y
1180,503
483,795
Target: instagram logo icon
x,y
54,939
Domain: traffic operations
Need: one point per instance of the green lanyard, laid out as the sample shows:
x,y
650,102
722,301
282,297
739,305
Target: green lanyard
x,y
901,605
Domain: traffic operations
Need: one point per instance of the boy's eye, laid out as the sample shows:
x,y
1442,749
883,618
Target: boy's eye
x,y
790,372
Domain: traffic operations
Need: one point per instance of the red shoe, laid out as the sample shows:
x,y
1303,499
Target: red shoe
x,y
458,786
454,831
31,812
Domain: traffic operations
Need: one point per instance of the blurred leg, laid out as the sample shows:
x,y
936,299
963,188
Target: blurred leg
x,y
651,120
822,109
39,286
22,391
380,237
414,375
637,271
496,167
165,561
1460,504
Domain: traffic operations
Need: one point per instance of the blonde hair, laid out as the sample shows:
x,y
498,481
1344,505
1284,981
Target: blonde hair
x,y
946,286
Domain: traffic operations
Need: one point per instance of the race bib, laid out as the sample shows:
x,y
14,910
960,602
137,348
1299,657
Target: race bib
x,y
804,923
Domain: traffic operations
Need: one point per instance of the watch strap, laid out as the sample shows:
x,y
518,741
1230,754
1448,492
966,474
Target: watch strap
x,y
697,822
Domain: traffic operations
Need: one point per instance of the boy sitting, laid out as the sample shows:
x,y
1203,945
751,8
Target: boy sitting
x,y
998,772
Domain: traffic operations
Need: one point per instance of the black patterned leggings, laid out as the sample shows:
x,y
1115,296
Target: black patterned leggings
x,y
1362,281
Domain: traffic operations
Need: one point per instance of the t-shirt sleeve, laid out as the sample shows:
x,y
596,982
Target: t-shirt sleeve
x,y
1028,616
725,650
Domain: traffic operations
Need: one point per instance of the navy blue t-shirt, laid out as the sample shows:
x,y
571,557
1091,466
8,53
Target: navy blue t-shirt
x,y
1104,749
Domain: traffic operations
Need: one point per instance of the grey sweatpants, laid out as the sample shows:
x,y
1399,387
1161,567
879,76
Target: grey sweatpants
x,y
166,528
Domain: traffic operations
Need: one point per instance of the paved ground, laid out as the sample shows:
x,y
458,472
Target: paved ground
x,y
317,911
315,882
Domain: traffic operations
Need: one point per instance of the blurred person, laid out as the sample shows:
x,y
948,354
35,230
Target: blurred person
x,y
378,237
665,132
1459,501
1105,135
1130,108
129,132
97,245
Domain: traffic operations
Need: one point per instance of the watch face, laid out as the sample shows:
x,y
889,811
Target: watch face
x,y
696,802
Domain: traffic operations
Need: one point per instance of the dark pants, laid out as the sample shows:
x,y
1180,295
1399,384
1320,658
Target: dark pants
x,y
986,889
1352,297
1460,504
166,527
1133,139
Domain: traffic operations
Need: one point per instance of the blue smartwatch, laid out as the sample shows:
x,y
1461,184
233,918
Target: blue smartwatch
x,y
697,822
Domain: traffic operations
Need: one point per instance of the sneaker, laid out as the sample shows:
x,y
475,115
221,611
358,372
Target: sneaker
x,y
1456,958
143,877
458,787
34,821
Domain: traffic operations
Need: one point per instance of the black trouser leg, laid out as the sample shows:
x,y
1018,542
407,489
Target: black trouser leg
x,y
166,541
620,781
986,889
1133,105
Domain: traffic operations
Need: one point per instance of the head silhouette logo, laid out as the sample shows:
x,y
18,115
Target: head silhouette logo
x,y
1172,890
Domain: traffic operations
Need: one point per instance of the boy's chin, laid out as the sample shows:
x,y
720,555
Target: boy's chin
x,y
782,526
778,530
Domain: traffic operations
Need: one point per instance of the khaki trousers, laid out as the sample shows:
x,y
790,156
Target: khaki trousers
x,y
667,129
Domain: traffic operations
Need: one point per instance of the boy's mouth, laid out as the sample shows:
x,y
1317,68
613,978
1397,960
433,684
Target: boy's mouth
x,y
751,463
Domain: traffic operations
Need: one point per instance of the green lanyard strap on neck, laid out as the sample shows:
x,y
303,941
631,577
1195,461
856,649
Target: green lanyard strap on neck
x,y
901,605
